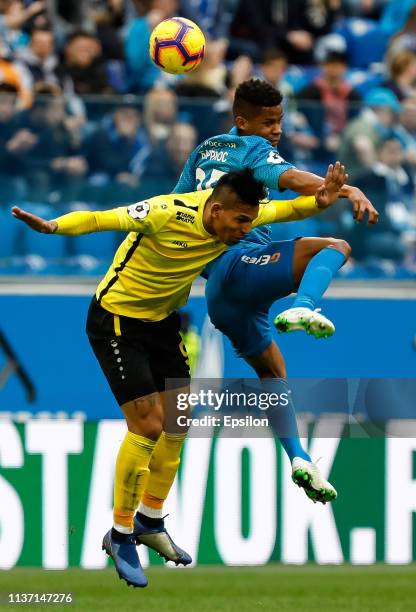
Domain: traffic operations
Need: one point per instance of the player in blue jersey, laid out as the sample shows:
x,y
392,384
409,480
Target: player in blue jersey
x,y
244,282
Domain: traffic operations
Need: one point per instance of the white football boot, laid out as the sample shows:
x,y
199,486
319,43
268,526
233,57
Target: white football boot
x,y
308,476
304,319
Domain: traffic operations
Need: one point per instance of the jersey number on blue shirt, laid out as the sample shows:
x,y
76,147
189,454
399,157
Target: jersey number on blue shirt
x,y
207,181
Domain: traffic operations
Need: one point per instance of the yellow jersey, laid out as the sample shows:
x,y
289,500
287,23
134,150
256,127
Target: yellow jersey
x,y
166,249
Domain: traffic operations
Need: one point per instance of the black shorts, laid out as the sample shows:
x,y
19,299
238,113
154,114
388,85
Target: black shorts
x,y
136,356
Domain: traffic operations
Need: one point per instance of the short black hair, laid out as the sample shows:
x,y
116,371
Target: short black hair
x,y
254,94
271,55
79,34
46,29
8,88
335,57
242,182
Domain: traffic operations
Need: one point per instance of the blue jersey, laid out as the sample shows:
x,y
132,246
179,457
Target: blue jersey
x,y
225,153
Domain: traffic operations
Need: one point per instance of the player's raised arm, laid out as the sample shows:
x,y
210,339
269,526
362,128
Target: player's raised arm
x,y
72,224
144,217
306,183
277,211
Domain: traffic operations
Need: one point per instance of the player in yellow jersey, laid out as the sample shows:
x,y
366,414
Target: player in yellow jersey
x,y
134,330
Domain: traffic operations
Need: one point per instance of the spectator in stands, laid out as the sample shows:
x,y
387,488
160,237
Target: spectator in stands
x,y
41,61
11,186
399,23
388,183
402,70
407,132
213,17
166,163
293,25
46,154
17,76
240,70
116,155
143,74
209,81
370,9
8,119
272,69
72,14
84,65
16,19
160,112
106,18
376,122
220,113
328,103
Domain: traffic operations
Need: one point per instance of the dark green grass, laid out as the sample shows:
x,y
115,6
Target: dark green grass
x,y
215,589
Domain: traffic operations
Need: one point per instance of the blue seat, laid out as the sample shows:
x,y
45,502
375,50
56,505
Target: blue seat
x,y
364,80
33,243
366,42
299,77
9,227
101,245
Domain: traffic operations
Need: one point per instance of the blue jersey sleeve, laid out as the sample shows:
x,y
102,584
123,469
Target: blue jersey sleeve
x,y
187,180
267,164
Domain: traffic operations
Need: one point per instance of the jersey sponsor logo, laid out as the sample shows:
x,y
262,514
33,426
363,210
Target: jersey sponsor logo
x,y
275,158
185,217
261,261
218,156
179,243
180,203
139,211
219,144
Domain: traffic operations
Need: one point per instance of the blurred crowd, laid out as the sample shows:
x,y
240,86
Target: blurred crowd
x,y
86,119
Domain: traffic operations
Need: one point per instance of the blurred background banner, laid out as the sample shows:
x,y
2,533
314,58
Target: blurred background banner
x,y
374,339
234,501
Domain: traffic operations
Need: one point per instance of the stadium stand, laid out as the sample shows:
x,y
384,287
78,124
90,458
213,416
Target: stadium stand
x,y
65,145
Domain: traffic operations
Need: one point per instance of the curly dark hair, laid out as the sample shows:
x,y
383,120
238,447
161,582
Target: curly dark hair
x,y
242,182
252,95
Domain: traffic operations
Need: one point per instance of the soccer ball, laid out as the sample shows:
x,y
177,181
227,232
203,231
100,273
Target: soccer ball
x,y
177,45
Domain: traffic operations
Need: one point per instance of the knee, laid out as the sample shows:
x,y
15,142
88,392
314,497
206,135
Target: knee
x,y
145,417
340,245
148,427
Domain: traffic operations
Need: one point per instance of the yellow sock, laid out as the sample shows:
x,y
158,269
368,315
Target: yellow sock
x,y
163,467
132,471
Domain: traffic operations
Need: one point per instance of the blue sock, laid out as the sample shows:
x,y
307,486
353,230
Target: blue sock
x,y
294,448
317,277
282,420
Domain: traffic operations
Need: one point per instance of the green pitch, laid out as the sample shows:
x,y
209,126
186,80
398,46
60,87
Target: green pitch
x,y
217,589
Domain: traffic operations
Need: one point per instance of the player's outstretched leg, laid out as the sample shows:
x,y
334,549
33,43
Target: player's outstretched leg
x,y
307,475
122,549
315,262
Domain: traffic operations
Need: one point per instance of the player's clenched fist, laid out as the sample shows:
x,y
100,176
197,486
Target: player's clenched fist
x,y
36,223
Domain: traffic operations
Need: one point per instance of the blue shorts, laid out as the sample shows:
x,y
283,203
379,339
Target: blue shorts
x,y
241,287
